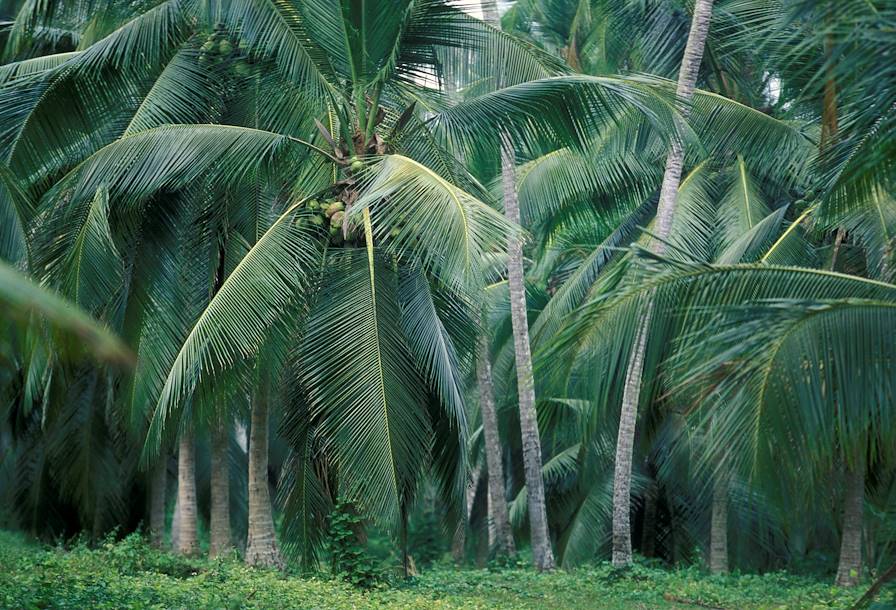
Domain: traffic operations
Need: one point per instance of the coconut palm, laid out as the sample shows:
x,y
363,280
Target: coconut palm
x,y
687,80
313,103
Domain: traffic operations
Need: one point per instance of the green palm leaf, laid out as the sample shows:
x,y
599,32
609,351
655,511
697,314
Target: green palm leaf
x,y
363,386
413,209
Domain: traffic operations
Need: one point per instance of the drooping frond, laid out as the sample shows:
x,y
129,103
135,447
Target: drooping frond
x,y
277,29
21,297
414,210
268,280
555,111
93,271
364,390
801,379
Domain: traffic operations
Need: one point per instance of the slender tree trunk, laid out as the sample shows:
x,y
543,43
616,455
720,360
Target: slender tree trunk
x,y
718,535
220,540
261,546
849,570
622,476
459,542
497,501
542,553
648,526
187,539
158,483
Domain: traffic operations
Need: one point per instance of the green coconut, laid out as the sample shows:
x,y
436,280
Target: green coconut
x,y
335,207
208,47
225,47
317,220
337,219
242,68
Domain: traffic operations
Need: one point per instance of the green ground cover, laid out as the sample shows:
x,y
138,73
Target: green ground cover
x,y
129,574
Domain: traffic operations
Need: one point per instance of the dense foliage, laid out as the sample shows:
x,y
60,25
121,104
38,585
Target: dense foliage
x,y
131,574
339,284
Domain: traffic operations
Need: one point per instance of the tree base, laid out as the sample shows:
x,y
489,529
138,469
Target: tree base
x,y
264,556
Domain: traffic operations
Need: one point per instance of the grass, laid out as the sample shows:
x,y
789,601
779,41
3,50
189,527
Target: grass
x,y
129,574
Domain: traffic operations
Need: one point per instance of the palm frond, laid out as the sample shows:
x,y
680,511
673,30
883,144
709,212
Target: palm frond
x,y
364,391
268,280
414,210
23,297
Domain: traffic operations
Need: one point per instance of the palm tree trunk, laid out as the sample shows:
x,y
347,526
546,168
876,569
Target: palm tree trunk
x,y
850,566
497,501
261,545
459,542
187,539
158,483
219,538
622,476
542,554
718,535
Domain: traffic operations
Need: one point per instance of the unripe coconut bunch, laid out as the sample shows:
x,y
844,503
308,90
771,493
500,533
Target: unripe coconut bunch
x,y
329,213
219,48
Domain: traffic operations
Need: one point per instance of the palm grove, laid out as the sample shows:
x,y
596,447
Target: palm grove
x,y
581,276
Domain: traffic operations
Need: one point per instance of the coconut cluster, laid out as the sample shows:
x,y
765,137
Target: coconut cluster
x,y
329,213
219,48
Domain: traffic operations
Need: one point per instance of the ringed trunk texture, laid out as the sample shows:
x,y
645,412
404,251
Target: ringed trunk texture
x,y
497,500
187,539
219,536
622,476
157,485
542,554
261,545
849,570
718,535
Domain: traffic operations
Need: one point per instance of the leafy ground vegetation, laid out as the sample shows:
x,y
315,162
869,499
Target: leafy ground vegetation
x,y
131,574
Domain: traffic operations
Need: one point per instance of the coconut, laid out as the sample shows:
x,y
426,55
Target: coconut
x,y
317,220
337,219
225,47
335,207
314,204
208,47
242,68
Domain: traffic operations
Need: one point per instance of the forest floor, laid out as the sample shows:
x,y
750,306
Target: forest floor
x,y
128,574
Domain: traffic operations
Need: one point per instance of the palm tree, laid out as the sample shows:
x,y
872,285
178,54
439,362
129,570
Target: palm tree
x,y
186,534
687,80
219,519
497,500
345,123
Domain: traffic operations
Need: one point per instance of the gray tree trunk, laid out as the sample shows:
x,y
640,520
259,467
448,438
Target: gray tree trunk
x,y
622,476
849,570
219,535
187,538
718,535
542,554
158,483
261,544
497,500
